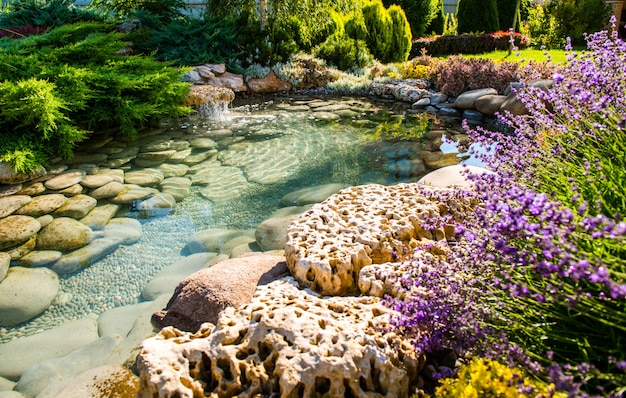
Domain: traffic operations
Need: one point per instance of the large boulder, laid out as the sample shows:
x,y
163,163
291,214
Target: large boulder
x,y
268,84
287,342
203,295
467,100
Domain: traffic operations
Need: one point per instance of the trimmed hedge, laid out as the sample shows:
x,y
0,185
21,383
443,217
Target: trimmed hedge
x,y
466,44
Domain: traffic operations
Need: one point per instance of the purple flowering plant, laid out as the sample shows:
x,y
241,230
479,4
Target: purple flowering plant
x,y
537,274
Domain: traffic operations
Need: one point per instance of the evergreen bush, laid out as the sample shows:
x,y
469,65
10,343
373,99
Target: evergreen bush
x,y
379,30
400,35
437,24
475,16
506,12
419,13
45,13
60,85
574,18
344,52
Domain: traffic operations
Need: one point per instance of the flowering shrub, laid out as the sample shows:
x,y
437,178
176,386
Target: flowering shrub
x,y
487,378
467,44
544,254
457,74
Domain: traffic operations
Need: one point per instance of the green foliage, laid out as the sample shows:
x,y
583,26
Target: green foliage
x,y
379,30
506,12
438,23
482,378
344,52
450,26
477,16
34,123
229,8
169,9
576,17
400,35
544,29
48,13
62,84
418,12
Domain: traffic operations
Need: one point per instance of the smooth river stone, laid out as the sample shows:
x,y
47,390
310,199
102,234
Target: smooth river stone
x,y
436,160
15,230
92,158
132,192
143,177
120,320
18,355
47,378
23,249
45,220
125,153
166,280
85,256
173,170
316,194
109,190
26,293
5,262
10,177
203,143
42,204
32,189
7,190
115,174
198,157
99,216
125,230
160,156
212,240
76,207
159,201
179,156
178,187
145,163
8,204
63,234
40,258
96,180
67,179
106,381
73,190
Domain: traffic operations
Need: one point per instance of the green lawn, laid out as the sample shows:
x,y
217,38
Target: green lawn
x,y
523,56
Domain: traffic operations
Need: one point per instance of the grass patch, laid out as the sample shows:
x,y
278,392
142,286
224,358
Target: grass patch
x,y
523,56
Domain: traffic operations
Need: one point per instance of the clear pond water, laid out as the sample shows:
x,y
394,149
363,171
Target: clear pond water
x,y
263,151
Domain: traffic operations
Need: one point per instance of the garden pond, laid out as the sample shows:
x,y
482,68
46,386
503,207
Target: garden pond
x,y
232,171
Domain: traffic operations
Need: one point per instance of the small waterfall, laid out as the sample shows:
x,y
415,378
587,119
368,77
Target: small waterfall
x,y
211,102
214,111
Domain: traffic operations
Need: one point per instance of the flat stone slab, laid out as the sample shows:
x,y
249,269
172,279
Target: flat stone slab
x,y
145,177
76,207
132,192
43,204
28,351
108,190
85,256
315,194
8,204
125,230
66,179
39,258
96,180
99,216
63,234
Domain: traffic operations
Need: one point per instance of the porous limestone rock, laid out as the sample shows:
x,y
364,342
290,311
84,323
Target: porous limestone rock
x,y
200,297
287,342
369,224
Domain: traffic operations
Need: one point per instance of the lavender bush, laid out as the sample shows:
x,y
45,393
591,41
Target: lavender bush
x,y
542,259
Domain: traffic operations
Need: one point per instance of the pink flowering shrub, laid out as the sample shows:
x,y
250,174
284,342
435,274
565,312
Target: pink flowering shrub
x,y
457,74
537,275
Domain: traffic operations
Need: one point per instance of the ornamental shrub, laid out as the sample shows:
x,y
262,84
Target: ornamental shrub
x,y
482,378
60,85
456,74
344,52
45,14
468,44
574,18
400,45
379,30
437,24
475,16
506,13
419,13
